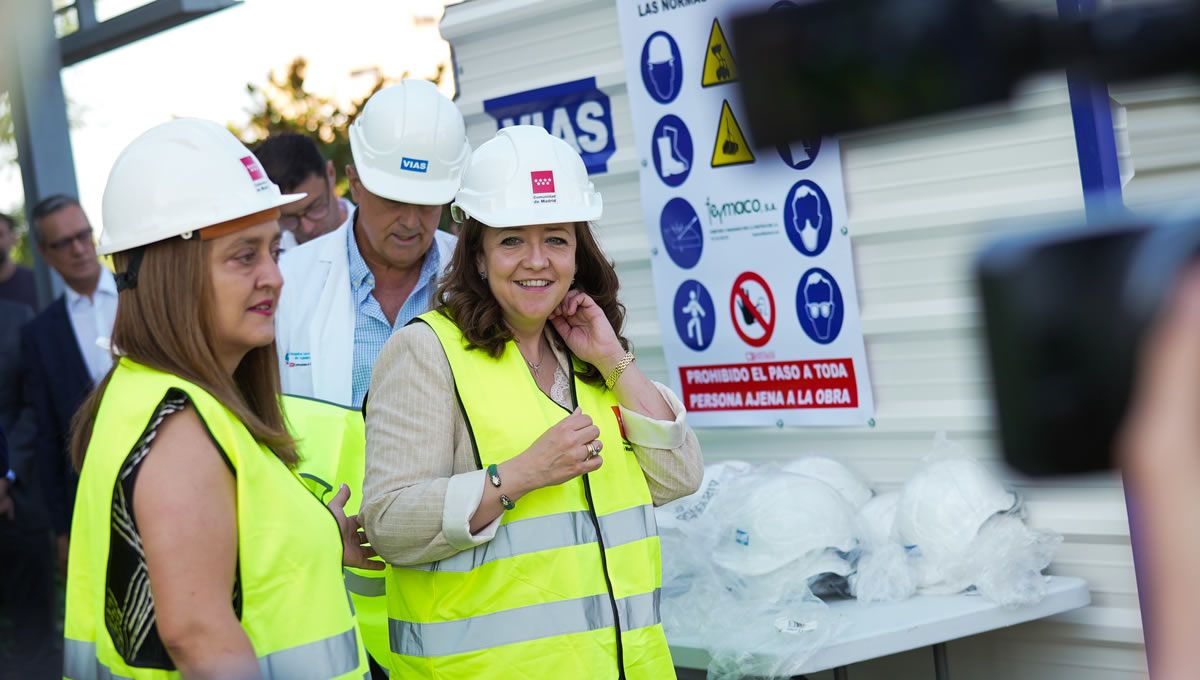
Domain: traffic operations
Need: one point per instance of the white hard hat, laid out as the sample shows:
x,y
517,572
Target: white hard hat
x,y
660,50
770,520
525,176
943,505
850,485
179,177
410,144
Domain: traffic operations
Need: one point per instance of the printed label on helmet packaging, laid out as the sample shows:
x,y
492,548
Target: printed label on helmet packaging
x,y
543,186
413,164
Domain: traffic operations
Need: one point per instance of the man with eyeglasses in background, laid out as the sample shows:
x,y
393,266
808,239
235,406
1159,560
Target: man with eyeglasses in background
x,y
64,349
295,163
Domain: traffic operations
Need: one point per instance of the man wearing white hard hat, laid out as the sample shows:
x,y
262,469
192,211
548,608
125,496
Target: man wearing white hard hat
x,y
196,551
351,289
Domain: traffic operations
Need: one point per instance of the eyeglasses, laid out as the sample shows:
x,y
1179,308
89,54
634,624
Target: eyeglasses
x,y
83,237
816,309
317,210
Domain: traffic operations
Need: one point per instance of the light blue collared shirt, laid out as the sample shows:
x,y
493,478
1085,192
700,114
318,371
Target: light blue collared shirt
x,y
371,327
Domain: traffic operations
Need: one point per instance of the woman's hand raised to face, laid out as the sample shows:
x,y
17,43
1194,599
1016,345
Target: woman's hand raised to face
x,y
581,324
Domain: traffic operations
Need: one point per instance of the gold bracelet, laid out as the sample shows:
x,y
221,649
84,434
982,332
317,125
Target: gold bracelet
x,y
623,364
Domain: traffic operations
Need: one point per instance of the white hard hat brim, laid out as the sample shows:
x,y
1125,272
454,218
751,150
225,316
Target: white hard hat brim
x,y
393,188
504,219
108,246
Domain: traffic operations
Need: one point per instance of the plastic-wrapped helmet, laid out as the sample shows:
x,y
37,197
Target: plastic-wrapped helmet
x,y
769,520
835,474
943,505
877,518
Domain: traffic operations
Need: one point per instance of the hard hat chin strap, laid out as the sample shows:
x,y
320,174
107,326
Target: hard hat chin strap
x,y
128,278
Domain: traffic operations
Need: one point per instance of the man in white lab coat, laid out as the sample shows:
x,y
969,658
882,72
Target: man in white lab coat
x,y
345,293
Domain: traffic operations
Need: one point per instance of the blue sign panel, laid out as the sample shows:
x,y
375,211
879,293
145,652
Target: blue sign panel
x,y
808,218
681,233
662,67
695,317
672,150
576,112
819,306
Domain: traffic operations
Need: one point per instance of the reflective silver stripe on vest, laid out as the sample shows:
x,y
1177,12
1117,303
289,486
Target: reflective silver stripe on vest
x,y
640,611
80,662
561,530
367,586
629,525
318,660
326,658
521,624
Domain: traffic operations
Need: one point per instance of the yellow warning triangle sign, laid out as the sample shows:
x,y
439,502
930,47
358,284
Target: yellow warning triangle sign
x,y
730,147
718,61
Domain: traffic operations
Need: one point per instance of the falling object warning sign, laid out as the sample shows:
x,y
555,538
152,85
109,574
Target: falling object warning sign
x,y
730,147
719,66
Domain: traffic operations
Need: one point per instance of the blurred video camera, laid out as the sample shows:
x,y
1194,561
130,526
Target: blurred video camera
x,y
1064,312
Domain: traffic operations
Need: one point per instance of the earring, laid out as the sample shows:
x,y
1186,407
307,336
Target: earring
x,y
483,275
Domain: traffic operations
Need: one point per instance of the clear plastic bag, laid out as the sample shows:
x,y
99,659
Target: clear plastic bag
x,y
1007,559
768,638
885,574
687,533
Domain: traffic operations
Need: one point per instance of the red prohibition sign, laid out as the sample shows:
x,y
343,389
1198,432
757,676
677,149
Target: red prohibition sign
x,y
746,316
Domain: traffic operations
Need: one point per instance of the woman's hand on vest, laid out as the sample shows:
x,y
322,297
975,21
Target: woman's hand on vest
x,y
581,324
567,450
355,551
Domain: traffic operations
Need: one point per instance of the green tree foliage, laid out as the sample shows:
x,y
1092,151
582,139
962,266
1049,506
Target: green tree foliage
x,y
283,104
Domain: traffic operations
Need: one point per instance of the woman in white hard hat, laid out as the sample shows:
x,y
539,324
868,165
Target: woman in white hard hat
x,y
515,451
195,549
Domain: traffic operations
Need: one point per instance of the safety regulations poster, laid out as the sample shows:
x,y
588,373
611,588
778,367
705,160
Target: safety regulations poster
x,y
750,251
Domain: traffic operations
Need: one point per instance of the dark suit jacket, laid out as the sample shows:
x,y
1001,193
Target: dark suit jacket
x,y
17,419
56,383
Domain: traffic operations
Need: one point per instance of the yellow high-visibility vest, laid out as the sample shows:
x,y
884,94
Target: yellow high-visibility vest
x,y
331,440
569,587
294,607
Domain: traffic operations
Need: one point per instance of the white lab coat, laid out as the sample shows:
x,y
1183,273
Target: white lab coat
x,y
314,325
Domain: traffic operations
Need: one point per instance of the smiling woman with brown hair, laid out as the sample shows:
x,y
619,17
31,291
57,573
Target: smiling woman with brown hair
x,y
196,550
515,450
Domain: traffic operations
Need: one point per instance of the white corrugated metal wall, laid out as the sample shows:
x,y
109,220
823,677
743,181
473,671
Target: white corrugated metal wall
x,y
922,199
